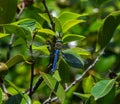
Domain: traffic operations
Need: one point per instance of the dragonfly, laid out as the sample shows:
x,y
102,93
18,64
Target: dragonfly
x,y
58,46
71,59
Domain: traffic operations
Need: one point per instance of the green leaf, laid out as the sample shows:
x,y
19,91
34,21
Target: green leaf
x,y
82,96
81,51
66,16
26,99
42,49
45,17
109,98
7,10
71,37
42,39
107,29
95,26
1,96
73,59
36,102
3,35
67,25
57,76
19,99
29,24
15,60
58,26
105,63
46,31
54,85
102,88
64,71
17,30
87,84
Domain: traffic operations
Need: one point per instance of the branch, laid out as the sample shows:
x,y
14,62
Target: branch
x,y
49,15
32,64
82,76
10,47
12,36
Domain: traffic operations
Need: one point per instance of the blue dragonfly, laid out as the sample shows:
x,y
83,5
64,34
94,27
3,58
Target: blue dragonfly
x,y
71,59
58,47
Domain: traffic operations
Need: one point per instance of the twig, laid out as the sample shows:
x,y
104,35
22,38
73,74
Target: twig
x,y
49,15
81,77
12,36
22,5
32,64
10,46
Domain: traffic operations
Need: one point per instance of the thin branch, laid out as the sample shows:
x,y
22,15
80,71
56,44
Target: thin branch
x,y
12,36
10,46
82,76
22,7
49,15
32,64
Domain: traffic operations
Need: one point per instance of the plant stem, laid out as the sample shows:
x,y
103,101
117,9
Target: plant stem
x,y
32,65
49,15
10,47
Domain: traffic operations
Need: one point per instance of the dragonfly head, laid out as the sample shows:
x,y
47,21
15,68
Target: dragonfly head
x,y
58,44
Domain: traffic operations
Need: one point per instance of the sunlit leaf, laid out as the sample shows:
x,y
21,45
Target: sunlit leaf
x,y
66,16
82,96
57,76
87,84
102,88
46,31
36,102
71,37
54,85
58,26
67,25
45,17
42,49
107,29
3,35
80,51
